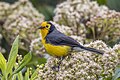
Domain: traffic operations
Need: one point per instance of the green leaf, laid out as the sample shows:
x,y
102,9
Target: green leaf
x,y
34,75
27,74
20,76
2,63
117,73
36,60
26,59
1,76
14,77
12,55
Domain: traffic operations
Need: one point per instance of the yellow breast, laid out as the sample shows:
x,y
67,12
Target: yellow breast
x,y
56,50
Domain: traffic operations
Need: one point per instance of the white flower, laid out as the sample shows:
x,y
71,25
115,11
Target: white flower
x,y
22,23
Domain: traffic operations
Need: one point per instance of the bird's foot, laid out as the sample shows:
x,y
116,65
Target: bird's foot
x,y
57,67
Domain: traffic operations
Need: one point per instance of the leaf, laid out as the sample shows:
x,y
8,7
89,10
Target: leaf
x,y
36,60
2,63
12,55
27,74
20,76
117,73
34,75
0,75
26,59
14,77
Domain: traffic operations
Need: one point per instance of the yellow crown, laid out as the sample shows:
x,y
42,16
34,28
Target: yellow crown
x,y
44,23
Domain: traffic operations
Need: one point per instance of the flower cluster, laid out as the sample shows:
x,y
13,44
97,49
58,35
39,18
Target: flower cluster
x,y
4,10
105,27
117,50
36,46
22,21
83,65
75,13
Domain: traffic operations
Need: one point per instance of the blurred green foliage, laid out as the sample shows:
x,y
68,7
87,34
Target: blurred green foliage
x,y
12,69
47,11
46,7
8,66
112,4
101,2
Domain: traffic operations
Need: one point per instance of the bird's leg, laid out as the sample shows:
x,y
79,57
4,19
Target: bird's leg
x,y
61,59
57,67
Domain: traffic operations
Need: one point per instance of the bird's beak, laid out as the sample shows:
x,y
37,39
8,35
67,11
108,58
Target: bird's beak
x,y
41,27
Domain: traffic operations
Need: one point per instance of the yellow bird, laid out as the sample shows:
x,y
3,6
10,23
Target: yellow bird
x,y
57,43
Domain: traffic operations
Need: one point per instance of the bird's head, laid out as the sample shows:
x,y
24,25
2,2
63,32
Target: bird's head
x,y
46,28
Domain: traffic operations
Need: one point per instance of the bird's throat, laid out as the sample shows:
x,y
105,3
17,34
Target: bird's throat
x,y
44,33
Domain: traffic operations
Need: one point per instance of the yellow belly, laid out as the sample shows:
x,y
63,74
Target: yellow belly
x,y
57,50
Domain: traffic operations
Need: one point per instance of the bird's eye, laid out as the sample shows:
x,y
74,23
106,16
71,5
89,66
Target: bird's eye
x,y
47,26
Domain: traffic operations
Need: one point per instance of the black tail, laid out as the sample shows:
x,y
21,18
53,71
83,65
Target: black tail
x,y
92,50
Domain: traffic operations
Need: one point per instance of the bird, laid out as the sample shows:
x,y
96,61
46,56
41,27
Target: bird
x,y
58,44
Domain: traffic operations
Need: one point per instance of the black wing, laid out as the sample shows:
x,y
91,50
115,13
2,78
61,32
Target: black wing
x,y
58,38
